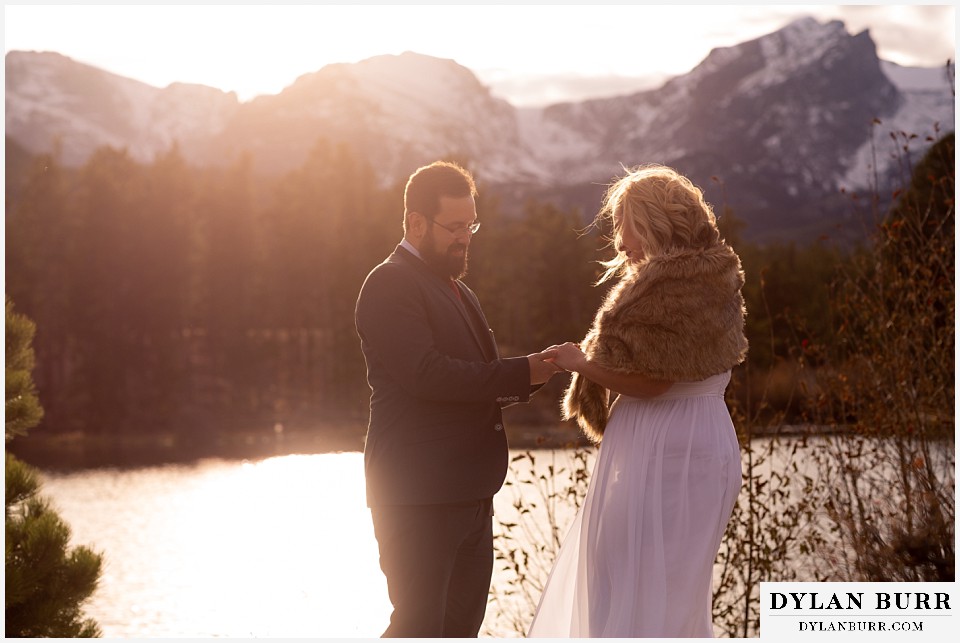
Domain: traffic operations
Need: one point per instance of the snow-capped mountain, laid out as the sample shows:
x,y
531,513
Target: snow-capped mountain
x,y
773,127
760,101
784,121
399,111
927,104
54,103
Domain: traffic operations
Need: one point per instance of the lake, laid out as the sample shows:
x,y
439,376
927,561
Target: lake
x,y
276,547
271,548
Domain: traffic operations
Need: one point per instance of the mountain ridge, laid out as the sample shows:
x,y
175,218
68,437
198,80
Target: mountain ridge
x,y
782,122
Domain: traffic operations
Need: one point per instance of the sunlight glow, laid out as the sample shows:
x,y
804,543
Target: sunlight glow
x,y
258,49
279,547
304,556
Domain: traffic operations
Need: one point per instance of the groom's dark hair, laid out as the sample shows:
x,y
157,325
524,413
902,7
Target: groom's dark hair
x,y
430,182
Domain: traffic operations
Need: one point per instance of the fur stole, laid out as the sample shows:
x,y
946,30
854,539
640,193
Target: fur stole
x,y
678,317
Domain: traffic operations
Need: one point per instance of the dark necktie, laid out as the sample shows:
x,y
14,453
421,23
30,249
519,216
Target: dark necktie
x,y
456,291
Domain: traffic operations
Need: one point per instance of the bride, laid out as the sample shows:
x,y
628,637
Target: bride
x,y
638,559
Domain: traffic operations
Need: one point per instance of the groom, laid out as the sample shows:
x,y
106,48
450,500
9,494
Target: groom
x,y
435,452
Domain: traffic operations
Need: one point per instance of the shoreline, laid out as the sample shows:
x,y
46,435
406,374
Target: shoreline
x,y
78,451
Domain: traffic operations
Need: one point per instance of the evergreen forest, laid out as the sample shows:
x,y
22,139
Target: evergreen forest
x,y
192,304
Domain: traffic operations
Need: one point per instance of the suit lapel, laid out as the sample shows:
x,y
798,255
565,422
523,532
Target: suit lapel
x,y
476,322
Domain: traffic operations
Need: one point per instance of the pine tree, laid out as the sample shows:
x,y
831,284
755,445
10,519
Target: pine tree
x,y
46,583
23,409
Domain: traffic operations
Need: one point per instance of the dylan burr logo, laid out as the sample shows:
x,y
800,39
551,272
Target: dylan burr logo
x,y
856,611
854,600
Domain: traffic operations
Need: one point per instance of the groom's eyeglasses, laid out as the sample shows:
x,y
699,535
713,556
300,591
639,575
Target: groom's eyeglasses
x,y
459,229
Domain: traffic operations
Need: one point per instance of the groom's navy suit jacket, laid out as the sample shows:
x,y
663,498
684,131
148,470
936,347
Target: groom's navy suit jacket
x,y
437,387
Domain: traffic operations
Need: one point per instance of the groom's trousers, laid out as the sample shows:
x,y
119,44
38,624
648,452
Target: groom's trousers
x,y
438,560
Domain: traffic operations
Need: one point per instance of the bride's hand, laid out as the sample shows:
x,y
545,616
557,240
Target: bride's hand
x,y
568,356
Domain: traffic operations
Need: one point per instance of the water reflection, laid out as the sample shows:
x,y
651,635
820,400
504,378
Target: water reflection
x,y
273,548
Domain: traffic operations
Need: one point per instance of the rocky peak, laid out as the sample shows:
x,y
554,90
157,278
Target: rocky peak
x,y
784,120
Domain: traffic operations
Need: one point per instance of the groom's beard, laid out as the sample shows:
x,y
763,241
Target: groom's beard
x,y
447,263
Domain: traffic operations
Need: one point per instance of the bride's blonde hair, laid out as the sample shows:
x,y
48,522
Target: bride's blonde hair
x,y
660,207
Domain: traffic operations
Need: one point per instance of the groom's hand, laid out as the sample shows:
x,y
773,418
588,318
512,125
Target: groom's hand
x,y
540,369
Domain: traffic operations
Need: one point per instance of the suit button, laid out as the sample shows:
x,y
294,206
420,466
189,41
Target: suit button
x,y
498,427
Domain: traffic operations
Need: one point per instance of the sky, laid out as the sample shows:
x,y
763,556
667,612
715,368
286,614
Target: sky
x,y
529,54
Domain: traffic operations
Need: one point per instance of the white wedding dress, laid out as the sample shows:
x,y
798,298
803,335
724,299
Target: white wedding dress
x,y
638,559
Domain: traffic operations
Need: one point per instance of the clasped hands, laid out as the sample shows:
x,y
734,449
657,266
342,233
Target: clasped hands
x,y
552,360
